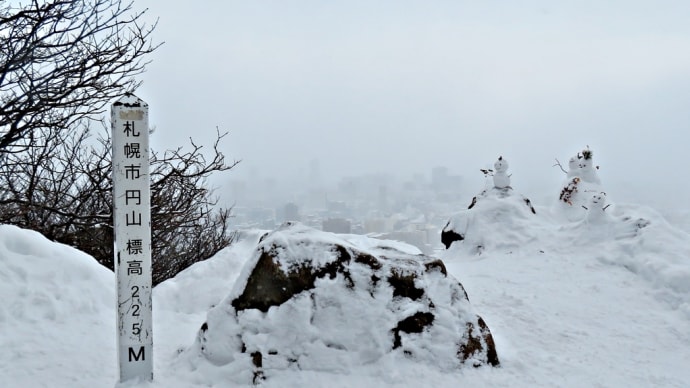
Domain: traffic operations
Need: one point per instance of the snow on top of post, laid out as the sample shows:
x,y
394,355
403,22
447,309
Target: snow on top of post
x,y
129,100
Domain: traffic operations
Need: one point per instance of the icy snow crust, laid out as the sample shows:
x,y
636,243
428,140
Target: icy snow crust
x,y
591,302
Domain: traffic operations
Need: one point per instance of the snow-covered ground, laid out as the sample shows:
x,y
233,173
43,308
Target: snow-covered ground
x,y
604,303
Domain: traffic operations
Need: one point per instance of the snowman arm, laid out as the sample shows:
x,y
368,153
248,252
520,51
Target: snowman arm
x,y
560,166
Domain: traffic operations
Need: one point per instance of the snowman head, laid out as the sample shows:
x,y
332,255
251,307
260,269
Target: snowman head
x,y
586,159
501,165
585,163
598,201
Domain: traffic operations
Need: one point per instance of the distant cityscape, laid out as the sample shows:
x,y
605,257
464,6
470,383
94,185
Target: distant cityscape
x,y
412,210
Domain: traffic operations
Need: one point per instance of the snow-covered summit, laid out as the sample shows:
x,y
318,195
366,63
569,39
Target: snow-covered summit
x,y
564,300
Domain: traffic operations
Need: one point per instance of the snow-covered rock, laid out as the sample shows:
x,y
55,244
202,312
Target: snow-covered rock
x,y
310,300
496,219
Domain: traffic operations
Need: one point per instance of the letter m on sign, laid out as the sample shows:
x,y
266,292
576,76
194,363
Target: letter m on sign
x,y
136,356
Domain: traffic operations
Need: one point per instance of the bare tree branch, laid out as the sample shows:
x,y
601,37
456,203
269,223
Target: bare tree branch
x,y
63,61
558,163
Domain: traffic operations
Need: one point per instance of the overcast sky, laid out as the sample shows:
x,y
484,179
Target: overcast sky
x,y
403,86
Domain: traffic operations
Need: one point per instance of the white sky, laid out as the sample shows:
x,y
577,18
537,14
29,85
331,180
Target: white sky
x,y
403,86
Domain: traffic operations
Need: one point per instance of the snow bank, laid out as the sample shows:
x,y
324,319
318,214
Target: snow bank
x,y
57,310
642,242
632,237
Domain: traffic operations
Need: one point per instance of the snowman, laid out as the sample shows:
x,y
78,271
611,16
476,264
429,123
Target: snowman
x,y
596,208
501,177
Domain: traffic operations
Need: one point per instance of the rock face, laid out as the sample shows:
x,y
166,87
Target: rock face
x,y
317,301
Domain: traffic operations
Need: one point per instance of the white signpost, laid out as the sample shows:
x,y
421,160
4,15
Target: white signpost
x,y
132,217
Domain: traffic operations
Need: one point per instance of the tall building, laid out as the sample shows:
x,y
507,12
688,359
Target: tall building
x,y
441,180
337,225
290,212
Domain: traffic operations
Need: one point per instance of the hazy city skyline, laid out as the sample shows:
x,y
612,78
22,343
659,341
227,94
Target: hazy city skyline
x,y
403,87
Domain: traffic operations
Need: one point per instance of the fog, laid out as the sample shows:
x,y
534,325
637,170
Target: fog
x,y
400,87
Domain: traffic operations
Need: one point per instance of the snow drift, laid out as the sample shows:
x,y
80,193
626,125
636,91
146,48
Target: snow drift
x,y
57,310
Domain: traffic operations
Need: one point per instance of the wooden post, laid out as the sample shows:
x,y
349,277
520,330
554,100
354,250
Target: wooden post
x,y
132,218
